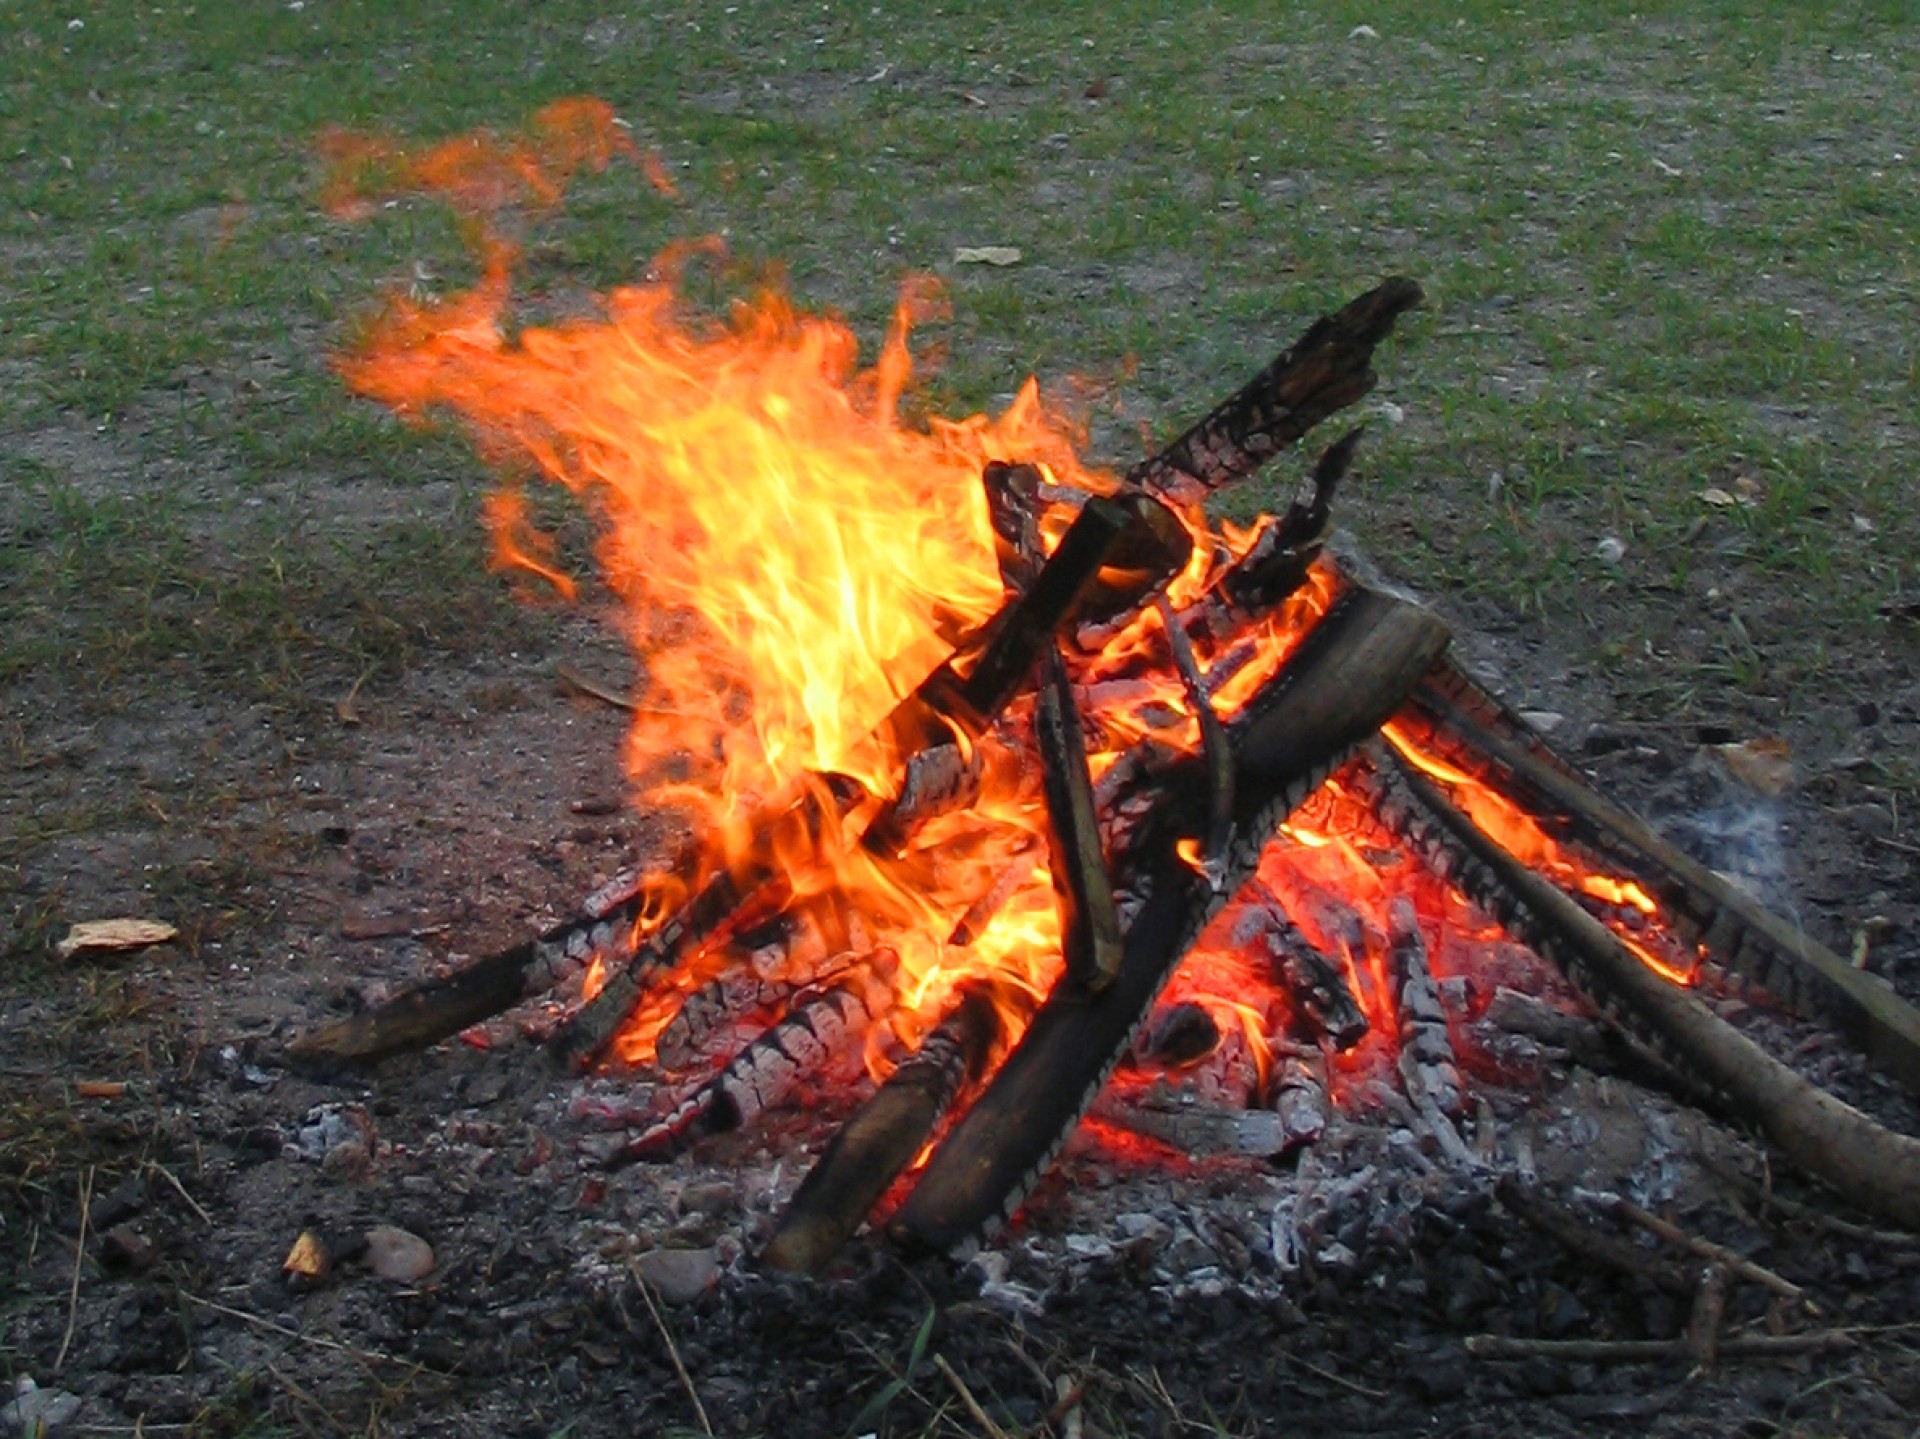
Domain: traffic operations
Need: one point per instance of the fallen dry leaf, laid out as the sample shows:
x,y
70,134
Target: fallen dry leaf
x,y
113,935
1717,496
308,1257
1764,765
986,255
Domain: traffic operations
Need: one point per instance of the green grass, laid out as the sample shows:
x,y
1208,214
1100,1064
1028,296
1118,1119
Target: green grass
x,y
1661,253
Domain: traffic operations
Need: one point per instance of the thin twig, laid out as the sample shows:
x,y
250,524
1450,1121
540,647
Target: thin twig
x,y
673,1351
369,1356
79,1257
965,1395
1649,1351
180,1189
593,689
1349,1385
1707,1249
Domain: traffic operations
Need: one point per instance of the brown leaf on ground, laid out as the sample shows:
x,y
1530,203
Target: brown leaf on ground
x,y
107,936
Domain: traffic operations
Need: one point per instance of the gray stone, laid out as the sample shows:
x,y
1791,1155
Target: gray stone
x,y
34,1411
678,1276
396,1255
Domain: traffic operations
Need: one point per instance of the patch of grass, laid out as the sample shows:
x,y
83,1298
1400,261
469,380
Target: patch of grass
x,y
1663,252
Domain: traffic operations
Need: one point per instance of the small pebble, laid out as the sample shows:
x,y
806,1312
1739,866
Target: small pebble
x,y
398,1256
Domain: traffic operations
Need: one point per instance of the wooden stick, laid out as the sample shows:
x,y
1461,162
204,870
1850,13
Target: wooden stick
x,y
967,1401
1653,1351
1872,1165
673,1350
1705,1248
1346,677
1742,933
1709,1309
1082,890
882,1137
1326,370
1589,1243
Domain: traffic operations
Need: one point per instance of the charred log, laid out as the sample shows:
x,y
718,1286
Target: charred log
x,y
882,1137
815,1031
1083,893
439,1008
1741,933
1350,673
1277,562
1873,1166
1323,1002
1427,1065
1325,371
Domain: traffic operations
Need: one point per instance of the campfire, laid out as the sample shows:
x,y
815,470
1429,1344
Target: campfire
x,y
1008,783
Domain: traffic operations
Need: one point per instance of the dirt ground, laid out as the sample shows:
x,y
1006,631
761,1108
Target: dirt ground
x,y
443,817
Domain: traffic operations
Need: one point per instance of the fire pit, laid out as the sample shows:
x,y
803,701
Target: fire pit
x,y
1001,773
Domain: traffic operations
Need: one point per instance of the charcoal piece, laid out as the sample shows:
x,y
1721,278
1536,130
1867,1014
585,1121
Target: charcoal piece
x,y
1179,1034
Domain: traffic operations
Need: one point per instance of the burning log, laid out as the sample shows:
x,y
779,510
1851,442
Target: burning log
x,y
1325,371
1427,1065
1083,893
882,1137
1744,935
1313,981
1350,673
1873,1166
811,1034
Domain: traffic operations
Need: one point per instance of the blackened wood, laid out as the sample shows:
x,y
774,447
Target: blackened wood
x,y
815,1033
1013,508
1082,891
1322,1000
982,912
435,1009
883,1137
702,918
1215,752
425,1013
1736,929
1325,371
1348,675
939,780
1870,1164
1278,561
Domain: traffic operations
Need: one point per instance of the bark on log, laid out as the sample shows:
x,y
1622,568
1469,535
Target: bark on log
x,y
1351,672
882,1138
1325,371
1874,1167
1738,931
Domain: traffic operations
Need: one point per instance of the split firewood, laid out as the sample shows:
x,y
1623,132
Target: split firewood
x,y
1874,1166
1083,893
1323,1003
1325,371
882,1137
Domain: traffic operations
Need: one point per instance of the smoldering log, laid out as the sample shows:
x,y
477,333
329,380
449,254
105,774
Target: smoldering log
x,y
1348,675
1325,371
1215,753
1737,930
882,1137
1313,981
439,1008
1083,893
1300,1099
1874,1167
1427,1066
810,1036
1276,564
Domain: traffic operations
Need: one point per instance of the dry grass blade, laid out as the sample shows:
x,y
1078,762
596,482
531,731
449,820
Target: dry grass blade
x,y
79,1257
673,1351
967,1401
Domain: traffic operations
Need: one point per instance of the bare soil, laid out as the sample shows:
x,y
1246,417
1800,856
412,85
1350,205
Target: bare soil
x,y
445,810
